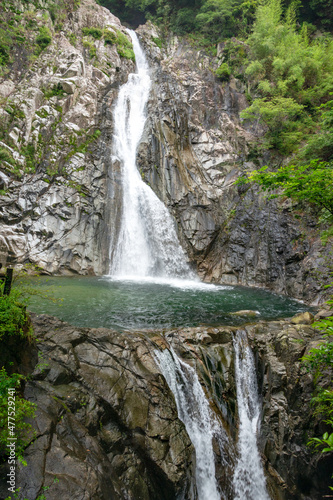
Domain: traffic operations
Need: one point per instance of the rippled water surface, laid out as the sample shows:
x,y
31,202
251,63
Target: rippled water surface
x,y
101,301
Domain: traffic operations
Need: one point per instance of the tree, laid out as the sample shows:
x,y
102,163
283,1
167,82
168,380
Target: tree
x,y
311,183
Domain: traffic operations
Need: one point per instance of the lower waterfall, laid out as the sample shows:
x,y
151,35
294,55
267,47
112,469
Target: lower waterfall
x,y
147,243
194,412
249,479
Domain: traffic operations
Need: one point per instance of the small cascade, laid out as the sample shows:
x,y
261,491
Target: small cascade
x,y
147,243
194,412
249,479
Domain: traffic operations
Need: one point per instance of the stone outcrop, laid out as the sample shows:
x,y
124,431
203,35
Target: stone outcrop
x,y
106,422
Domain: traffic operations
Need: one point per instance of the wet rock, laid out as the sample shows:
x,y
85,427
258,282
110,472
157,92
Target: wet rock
x,y
245,312
293,470
305,318
106,423
323,313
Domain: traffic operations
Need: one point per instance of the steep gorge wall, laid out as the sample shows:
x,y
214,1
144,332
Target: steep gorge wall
x,y
57,216
194,149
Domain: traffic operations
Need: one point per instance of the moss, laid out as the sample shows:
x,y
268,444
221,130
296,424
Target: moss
x,y
96,33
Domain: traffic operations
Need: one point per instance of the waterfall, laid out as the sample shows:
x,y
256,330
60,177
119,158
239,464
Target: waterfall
x,y
147,243
194,412
249,479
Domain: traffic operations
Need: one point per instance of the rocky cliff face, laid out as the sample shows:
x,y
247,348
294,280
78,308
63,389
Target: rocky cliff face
x,y
106,423
57,131
60,199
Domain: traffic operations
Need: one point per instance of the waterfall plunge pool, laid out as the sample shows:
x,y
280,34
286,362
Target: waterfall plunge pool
x,y
139,304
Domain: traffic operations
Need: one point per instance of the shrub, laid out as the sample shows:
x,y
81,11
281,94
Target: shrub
x,y
312,183
56,90
44,38
91,47
157,41
223,72
6,156
124,46
110,38
13,317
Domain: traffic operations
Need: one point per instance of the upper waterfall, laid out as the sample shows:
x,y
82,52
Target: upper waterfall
x,y
147,243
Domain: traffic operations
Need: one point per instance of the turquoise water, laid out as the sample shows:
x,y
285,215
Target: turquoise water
x,y
102,302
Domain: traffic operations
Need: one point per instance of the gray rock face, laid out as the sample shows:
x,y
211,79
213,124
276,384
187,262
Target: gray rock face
x,y
58,217
194,149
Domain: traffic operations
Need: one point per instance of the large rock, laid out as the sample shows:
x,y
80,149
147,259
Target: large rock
x,y
106,422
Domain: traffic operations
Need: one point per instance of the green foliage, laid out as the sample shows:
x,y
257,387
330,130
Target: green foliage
x,y
213,19
319,361
91,47
326,441
312,183
29,153
72,38
320,145
96,33
5,46
223,72
216,18
6,156
290,71
124,46
23,409
157,41
13,317
55,91
110,37
44,38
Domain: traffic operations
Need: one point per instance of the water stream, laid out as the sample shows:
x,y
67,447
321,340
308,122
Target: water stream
x,y
249,479
194,412
147,243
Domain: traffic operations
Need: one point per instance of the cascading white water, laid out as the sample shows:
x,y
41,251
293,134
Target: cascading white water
x,y
249,480
194,412
147,242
